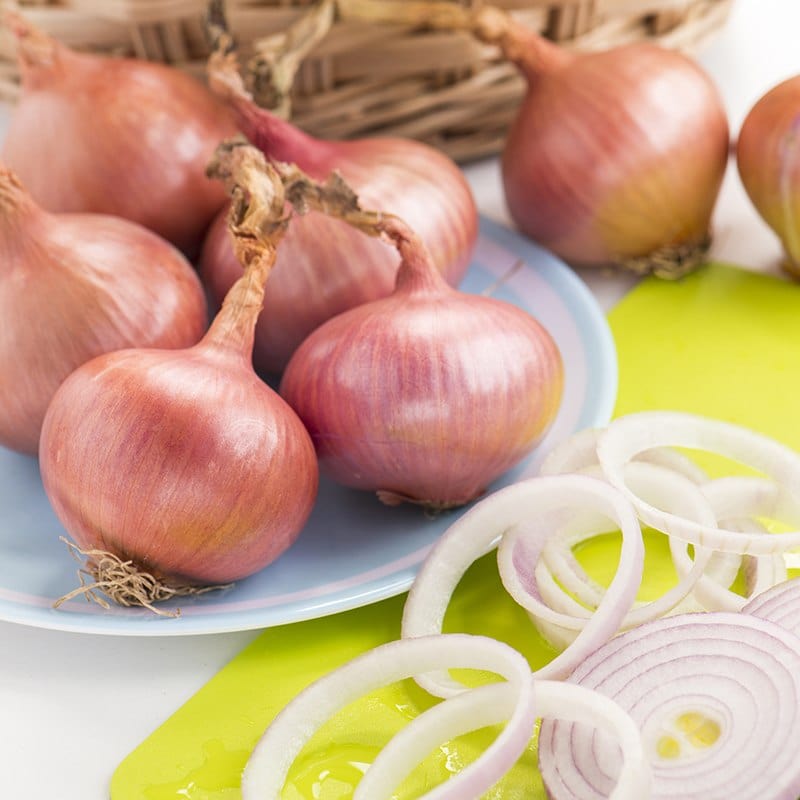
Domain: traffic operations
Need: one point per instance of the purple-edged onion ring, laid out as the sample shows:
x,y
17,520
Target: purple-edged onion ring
x,y
780,604
716,697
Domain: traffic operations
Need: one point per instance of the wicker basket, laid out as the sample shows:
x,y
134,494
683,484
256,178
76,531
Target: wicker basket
x,y
367,79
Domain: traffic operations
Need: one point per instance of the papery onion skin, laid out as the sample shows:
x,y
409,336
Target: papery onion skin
x,y
615,155
181,461
74,286
768,160
117,136
324,267
427,395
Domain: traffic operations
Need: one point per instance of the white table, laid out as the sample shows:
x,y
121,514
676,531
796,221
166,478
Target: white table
x,y
73,706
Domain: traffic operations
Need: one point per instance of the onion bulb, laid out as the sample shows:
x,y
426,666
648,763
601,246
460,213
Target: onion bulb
x,y
615,157
116,136
324,267
74,286
768,158
184,465
427,395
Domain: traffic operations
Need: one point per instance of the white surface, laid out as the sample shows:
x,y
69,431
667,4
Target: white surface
x,y
72,706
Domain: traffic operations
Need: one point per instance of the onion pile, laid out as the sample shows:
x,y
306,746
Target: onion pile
x,y
768,158
325,267
116,136
74,286
425,396
697,705
178,469
614,157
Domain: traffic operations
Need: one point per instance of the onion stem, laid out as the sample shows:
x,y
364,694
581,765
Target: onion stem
x,y
256,221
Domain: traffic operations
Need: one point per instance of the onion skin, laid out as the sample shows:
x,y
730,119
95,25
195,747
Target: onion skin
x,y
74,286
615,155
324,267
177,455
768,159
116,136
427,395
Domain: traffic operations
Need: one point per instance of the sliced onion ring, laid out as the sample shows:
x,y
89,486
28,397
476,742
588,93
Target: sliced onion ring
x,y
731,670
492,704
628,436
478,531
266,770
516,556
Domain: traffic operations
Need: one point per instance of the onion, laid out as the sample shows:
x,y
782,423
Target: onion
x,y
614,157
269,763
117,136
548,502
330,268
778,498
183,464
768,158
716,697
779,604
73,286
425,396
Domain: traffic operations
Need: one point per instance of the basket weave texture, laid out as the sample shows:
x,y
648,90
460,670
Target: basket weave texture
x,y
365,79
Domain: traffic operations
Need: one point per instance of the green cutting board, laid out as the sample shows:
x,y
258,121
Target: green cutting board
x,y
721,342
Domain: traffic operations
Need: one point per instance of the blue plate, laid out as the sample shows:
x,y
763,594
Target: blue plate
x,y
354,551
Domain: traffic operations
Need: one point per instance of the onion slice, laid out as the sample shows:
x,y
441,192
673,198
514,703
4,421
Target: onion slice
x,y
541,501
628,436
780,604
266,770
716,697
489,705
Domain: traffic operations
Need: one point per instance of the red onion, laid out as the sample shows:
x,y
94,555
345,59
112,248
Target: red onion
x,y
73,286
779,604
614,157
716,697
117,136
427,395
266,770
768,158
183,464
328,267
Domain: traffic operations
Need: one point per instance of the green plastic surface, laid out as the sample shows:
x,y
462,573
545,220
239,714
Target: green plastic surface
x,y
722,342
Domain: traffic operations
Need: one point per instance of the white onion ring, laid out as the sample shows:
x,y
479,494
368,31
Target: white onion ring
x,y
628,436
266,770
740,671
780,604
477,531
492,704
650,480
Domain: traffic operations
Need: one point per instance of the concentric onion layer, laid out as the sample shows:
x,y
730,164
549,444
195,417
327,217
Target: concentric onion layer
x,y
716,697
779,604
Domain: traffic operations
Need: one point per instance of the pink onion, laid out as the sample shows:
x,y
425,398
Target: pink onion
x,y
768,158
73,286
116,136
614,157
716,697
427,395
184,464
324,267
